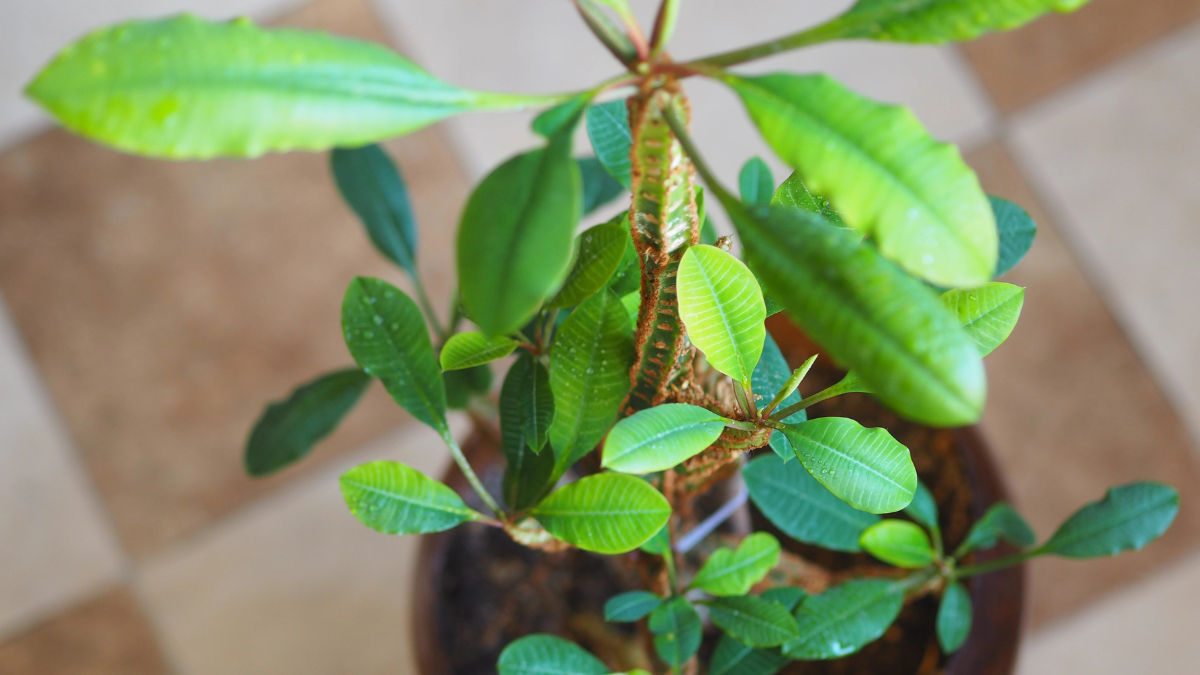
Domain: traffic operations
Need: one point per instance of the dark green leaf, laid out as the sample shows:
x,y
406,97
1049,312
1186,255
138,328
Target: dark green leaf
x,y
461,384
547,655
988,313
866,468
658,438
954,618
1000,521
599,188
801,507
676,628
598,253
516,236
844,619
386,335
467,350
771,373
1016,230
608,129
526,408
899,543
1129,517
938,21
630,606
659,544
734,658
396,499
372,186
562,117
289,429
923,508
788,596
753,621
526,477
605,513
755,182
729,573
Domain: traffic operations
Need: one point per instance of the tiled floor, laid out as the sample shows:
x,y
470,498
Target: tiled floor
x,y
154,307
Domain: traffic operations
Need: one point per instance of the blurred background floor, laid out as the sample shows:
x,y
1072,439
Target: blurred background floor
x,y
152,308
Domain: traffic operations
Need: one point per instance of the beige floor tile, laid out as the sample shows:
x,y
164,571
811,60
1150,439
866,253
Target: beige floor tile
x,y
1072,410
165,303
1117,160
56,544
515,45
1147,628
105,636
294,584
1021,66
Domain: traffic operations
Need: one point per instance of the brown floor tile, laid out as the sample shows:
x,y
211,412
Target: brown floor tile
x,y
1021,66
165,303
1072,410
106,636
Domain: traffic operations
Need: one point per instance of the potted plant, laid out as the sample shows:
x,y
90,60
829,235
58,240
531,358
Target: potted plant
x,y
645,381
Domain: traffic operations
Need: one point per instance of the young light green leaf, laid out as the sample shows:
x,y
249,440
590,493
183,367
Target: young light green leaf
x,y
599,188
728,572
287,430
1016,230
658,438
866,468
954,618
396,499
792,192
372,186
630,606
938,21
770,375
189,88
516,234
916,197
386,335
753,621
548,655
589,375
608,129
467,350
755,182
722,306
803,508
1000,521
889,327
899,543
988,313
604,513
676,628
1129,517
923,508
599,252
844,619
461,384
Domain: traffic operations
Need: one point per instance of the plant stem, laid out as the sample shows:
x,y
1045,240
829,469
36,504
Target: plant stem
x,y
790,385
805,38
461,460
849,384
607,32
998,564
427,309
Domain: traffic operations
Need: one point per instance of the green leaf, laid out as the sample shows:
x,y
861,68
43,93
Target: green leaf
x,y
889,327
954,618
605,513
753,621
938,21
589,375
599,188
728,572
396,499
844,619
888,177
801,507
467,350
988,313
526,476
372,186
866,468
755,182
548,655
734,658
562,117
516,235
386,335
788,596
630,606
708,232
461,384
676,628
1016,230
923,508
599,252
526,408
1000,521
189,88
899,543
659,544
628,277
287,430
658,438
1129,517
770,375
608,129
722,306
792,192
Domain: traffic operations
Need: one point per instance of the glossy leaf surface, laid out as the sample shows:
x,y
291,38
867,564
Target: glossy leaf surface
x,y
288,429
722,306
1000,521
729,572
988,313
599,251
658,438
803,508
938,21
605,513
954,618
372,185
889,179
386,335
770,375
396,499
792,192
676,628
630,606
1129,517
189,88
466,350
608,129
548,655
844,619
516,236
866,468
899,543
1016,230
753,621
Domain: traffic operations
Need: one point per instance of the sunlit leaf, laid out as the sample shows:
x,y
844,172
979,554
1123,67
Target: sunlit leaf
x,y
396,499
599,252
866,468
467,350
728,572
792,192
605,513
988,313
899,543
938,21
658,438
722,306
